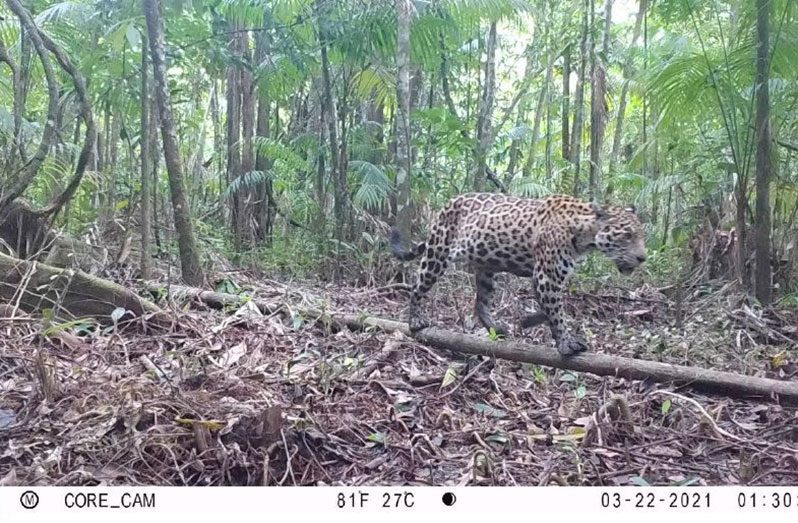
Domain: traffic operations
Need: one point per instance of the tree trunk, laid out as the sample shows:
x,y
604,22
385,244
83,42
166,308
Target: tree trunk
x,y
485,112
579,103
146,189
18,146
26,55
627,73
763,154
520,118
549,138
539,109
189,253
343,160
112,170
106,150
320,188
404,211
741,195
155,162
263,210
416,95
27,173
234,141
598,104
248,194
566,102
328,110
218,143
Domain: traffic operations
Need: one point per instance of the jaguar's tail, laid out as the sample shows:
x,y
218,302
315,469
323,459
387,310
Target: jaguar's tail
x,y
400,252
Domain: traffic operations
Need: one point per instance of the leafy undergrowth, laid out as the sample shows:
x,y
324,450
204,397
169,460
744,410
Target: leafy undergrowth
x,y
195,405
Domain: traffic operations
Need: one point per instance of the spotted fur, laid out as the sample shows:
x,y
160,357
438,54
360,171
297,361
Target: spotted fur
x,y
542,239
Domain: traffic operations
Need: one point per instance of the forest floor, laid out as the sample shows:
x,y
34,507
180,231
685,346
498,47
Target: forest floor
x,y
196,405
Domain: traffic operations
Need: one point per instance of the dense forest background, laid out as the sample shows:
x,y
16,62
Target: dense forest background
x,y
288,135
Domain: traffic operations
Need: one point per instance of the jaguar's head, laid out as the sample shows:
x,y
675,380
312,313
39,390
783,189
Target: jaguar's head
x,y
620,237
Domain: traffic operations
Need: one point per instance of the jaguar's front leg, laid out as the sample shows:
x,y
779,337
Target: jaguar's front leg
x,y
433,265
550,297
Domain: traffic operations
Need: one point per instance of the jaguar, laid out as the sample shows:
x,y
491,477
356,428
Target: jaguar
x,y
538,238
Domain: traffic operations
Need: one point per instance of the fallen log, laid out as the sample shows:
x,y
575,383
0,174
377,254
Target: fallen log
x,y
699,378
728,383
69,293
215,300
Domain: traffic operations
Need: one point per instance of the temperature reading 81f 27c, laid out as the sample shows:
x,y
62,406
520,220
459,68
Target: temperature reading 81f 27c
x,y
361,499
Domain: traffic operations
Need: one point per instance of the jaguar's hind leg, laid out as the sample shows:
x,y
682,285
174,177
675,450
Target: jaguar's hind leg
x,y
534,319
485,286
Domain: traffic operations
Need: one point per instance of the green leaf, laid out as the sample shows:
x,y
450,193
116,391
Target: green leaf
x,y
133,37
117,314
228,286
498,437
450,376
539,373
666,406
580,392
403,406
377,437
490,411
80,325
639,481
687,482
567,377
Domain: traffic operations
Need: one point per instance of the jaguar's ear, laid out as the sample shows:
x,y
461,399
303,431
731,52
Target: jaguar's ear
x,y
598,210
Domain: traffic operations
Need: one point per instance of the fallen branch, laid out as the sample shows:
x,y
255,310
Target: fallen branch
x,y
69,293
215,300
719,431
599,364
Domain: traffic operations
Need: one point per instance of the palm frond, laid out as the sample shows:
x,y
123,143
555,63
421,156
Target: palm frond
x,y
377,82
374,187
65,12
529,188
283,156
466,12
248,180
246,13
